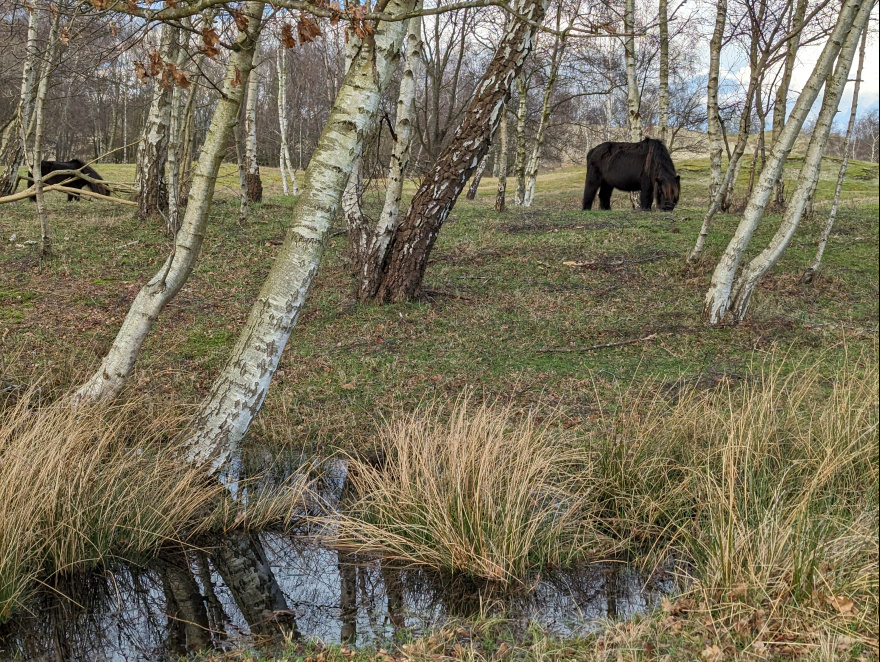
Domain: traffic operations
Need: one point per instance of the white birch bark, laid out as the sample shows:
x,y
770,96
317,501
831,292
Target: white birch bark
x,y
152,152
478,175
252,168
717,302
532,168
501,195
519,164
829,224
663,93
751,275
237,394
284,160
713,115
633,99
244,201
390,217
172,220
116,367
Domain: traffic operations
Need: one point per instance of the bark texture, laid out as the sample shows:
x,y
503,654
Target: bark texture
x,y
116,367
284,161
478,175
519,164
744,287
501,194
237,394
432,203
663,101
717,302
713,115
633,98
252,168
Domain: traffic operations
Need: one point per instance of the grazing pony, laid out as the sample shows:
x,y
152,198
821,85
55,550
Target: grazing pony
x,y
76,182
644,166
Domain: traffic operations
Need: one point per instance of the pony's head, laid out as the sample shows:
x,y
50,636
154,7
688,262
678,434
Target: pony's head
x,y
668,190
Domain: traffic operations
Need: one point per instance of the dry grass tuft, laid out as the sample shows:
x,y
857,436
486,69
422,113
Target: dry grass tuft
x,y
481,493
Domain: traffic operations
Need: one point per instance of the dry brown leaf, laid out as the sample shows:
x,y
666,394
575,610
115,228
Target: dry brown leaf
x,y
287,38
307,29
241,21
210,39
236,78
712,653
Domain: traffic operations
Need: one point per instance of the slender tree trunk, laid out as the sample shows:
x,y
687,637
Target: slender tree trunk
x,y
663,100
532,168
752,274
713,115
412,243
633,99
284,159
377,247
244,198
116,367
519,165
153,151
718,301
12,140
478,175
500,197
174,150
254,183
238,392
356,221
781,101
181,586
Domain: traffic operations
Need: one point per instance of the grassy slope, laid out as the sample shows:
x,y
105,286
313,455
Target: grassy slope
x,y
499,291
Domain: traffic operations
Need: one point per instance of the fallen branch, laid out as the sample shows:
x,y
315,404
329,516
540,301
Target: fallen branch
x,y
21,195
620,343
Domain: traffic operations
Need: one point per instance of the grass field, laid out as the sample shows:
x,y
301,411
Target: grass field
x,y
589,321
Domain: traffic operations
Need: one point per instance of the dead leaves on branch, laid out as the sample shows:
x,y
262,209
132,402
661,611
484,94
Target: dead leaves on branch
x,y
167,73
210,41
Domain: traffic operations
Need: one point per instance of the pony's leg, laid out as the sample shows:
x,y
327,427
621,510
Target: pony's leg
x,y
605,196
646,197
590,188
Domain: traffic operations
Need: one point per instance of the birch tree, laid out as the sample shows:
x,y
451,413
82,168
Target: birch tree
x,y
252,168
663,100
633,98
752,274
829,224
501,194
389,219
117,365
718,298
519,164
237,394
478,175
284,161
432,203
152,153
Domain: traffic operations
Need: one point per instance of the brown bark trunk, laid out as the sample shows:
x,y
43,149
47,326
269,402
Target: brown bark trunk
x,y
412,243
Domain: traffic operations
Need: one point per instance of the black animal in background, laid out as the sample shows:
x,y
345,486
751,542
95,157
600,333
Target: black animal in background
x,y
76,182
644,166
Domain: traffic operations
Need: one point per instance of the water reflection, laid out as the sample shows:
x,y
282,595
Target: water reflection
x,y
246,591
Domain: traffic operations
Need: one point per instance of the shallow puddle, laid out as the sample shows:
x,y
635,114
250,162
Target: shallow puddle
x,y
188,602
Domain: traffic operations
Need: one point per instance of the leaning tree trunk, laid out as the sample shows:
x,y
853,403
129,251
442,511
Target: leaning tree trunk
x,y
175,153
532,169
501,195
519,165
717,302
117,365
377,245
284,160
237,394
663,100
478,175
826,232
252,168
744,286
781,101
153,150
712,112
412,243
11,140
633,99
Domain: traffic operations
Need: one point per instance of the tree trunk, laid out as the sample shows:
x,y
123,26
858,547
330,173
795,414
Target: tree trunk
x,y
500,196
11,140
252,168
750,277
116,367
781,101
633,99
478,175
712,112
519,165
826,232
718,301
237,394
244,199
663,100
153,150
377,248
175,154
412,243
181,587
532,169
284,160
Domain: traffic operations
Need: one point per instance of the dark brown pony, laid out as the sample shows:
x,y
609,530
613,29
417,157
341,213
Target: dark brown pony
x,y
76,182
644,166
